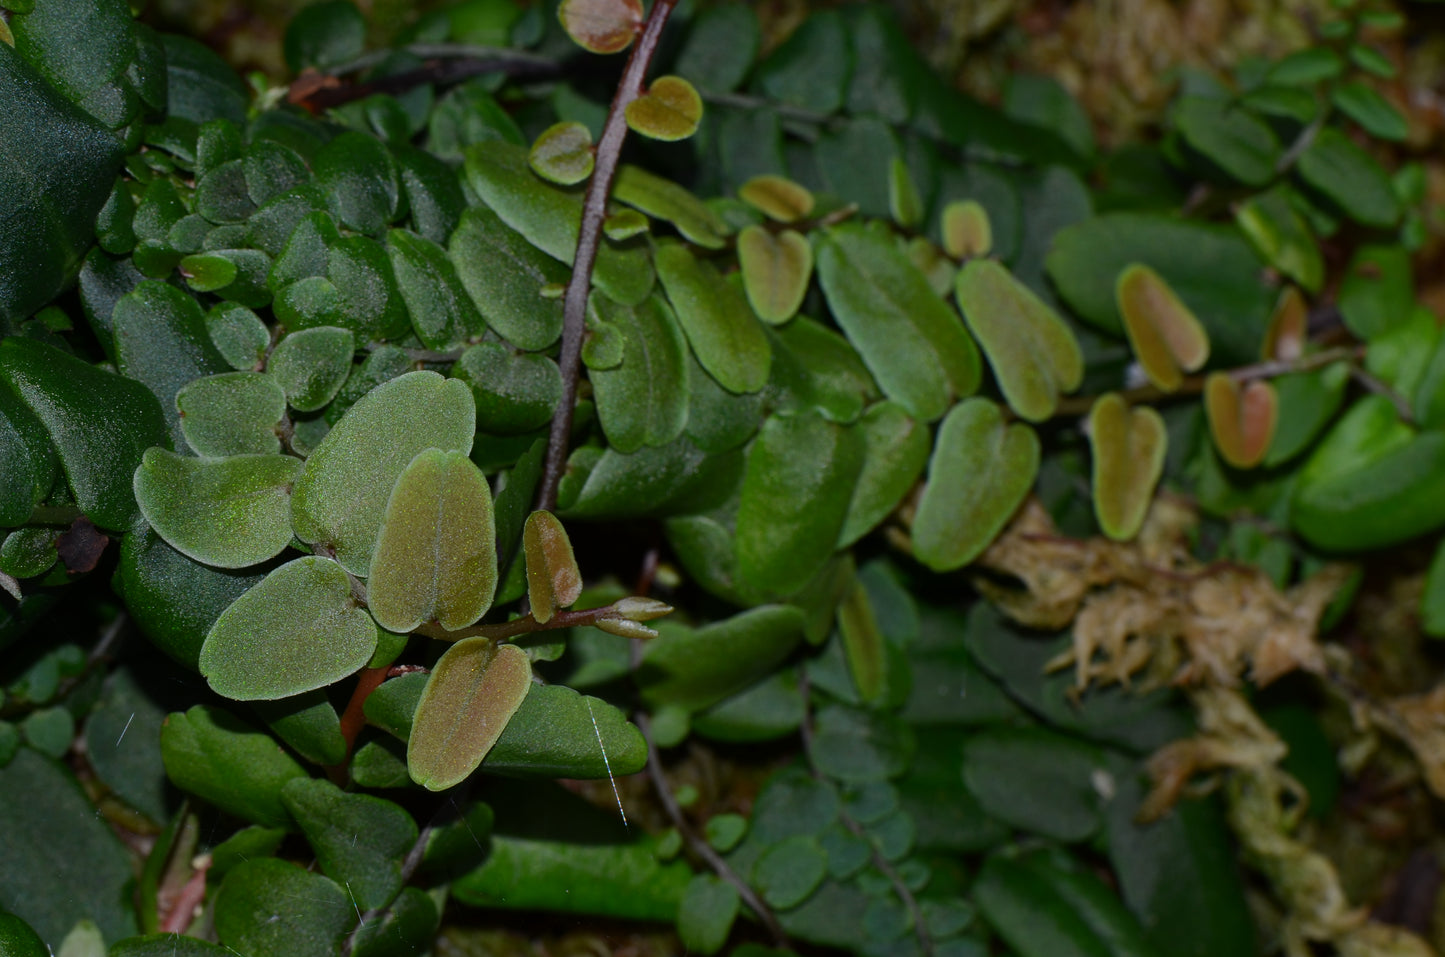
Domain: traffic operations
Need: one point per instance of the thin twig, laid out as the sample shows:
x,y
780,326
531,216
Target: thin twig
x,y
525,625
589,237
1379,387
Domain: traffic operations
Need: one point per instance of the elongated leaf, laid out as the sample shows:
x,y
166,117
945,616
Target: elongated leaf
x,y
474,690
504,274
1167,339
642,400
340,498
436,553
222,759
558,733
980,471
442,312
359,840
914,345
777,197
229,513
697,668
1232,138
722,329
895,451
553,579
776,271
663,199
1242,419
1349,178
1128,447
298,630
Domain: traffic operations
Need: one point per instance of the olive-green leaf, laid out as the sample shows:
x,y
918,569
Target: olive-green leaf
x,y
359,840
776,268
473,692
912,342
558,733
642,400
777,197
980,471
298,630
663,199
230,512
442,311
553,579
311,366
436,555
895,451
724,333
562,154
695,668
340,498
601,26
801,472
1128,449
234,413
505,274
1033,353
670,110
218,757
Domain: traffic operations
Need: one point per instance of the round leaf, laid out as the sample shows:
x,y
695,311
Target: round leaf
x,y
967,232
601,26
776,271
311,366
721,328
359,840
473,692
234,413
1129,446
670,110
298,630
269,906
563,153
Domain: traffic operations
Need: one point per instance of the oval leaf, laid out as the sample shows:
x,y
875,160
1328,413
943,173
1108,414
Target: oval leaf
x,y
436,554
228,513
311,366
670,110
1129,446
234,413
1242,421
721,328
563,153
601,26
967,232
473,692
696,668
777,198
661,198
558,733
1167,339
980,471
300,629
895,451
553,579
776,271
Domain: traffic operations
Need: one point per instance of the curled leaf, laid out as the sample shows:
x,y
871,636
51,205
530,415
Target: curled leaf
x,y
553,579
776,271
1284,338
904,203
777,197
563,153
967,231
1167,338
601,26
1242,421
670,110
473,692
1129,446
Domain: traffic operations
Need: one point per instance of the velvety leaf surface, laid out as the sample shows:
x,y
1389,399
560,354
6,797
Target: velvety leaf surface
x,y
436,554
474,690
777,269
967,231
553,579
298,630
562,153
340,498
515,392
980,471
504,274
670,110
165,945
100,423
1242,418
815,368
725,335
895,451
777,197
269,906
27,458
311,365
558,733
309,725
643,399
663,199
694,668
601,26
359,840
1128,448
221,759
233,413
915,346
360,180
443,313
1166,337
230,512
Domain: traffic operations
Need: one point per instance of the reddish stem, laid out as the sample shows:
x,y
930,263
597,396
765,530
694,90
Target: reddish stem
x,y
190,897
354,718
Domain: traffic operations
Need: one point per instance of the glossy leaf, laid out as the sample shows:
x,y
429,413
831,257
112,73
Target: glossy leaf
x,y
777,270
1166,337
967,232
670,110
724,333
359,840
99,422
227,762
562,154
1033,353
980,471
340,499
553,579
642,399
298,630
777,197
473,692
311,366
601,26
270,906
1242,419
233,413
796,492
230,512
696,668
1128,448
505,275
558,733
915,346
895,451
436,552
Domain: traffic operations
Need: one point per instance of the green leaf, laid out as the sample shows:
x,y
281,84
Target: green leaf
x,y
1307,67
309,724
504,274
601,26
324,35
671,479
340,498
789,871
558,733
862,643
233,413
221,759
815,368
1350,179
238,334
1033,353
777,270
669,110
1236,141
801,473
858,747
407,927
562,154
360,179
442,312
311,365
268,906
1372,111
62,862
812,67
1036,780
771,709
706,914
359,840
230,512
1377,291
298,630
895,451
1308,402
165,945
27,459
643,400
777,197
1282,237
1128,448
914,345
663,199
553,578
725,335
980,471
515,393
551,218
720,48
99,422
473,692
436,553
697,668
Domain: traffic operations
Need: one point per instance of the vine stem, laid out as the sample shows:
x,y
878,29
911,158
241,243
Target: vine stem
x,y
589,237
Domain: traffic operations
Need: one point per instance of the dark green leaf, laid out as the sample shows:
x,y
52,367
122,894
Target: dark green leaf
x,y
789,871
406,928
895,451
359,840
27,458
1349,178
722,329
442,312
643,400
234,413
361,181
696,668
504,274
811,68
515,392
1038,781
165,945
324,35
1237,142
223,760
1282,237
311,365
720,47
1371,110
269,907
309,724
706,913
1377,291
559,733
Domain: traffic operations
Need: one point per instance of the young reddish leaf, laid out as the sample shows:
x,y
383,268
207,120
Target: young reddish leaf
x,y
776,271
967,232
473,692
1284,338
601,26
1167,338
1034,355
1242,421
777,198
904,203
436,554
1129,446
670,110
563,153
553,579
